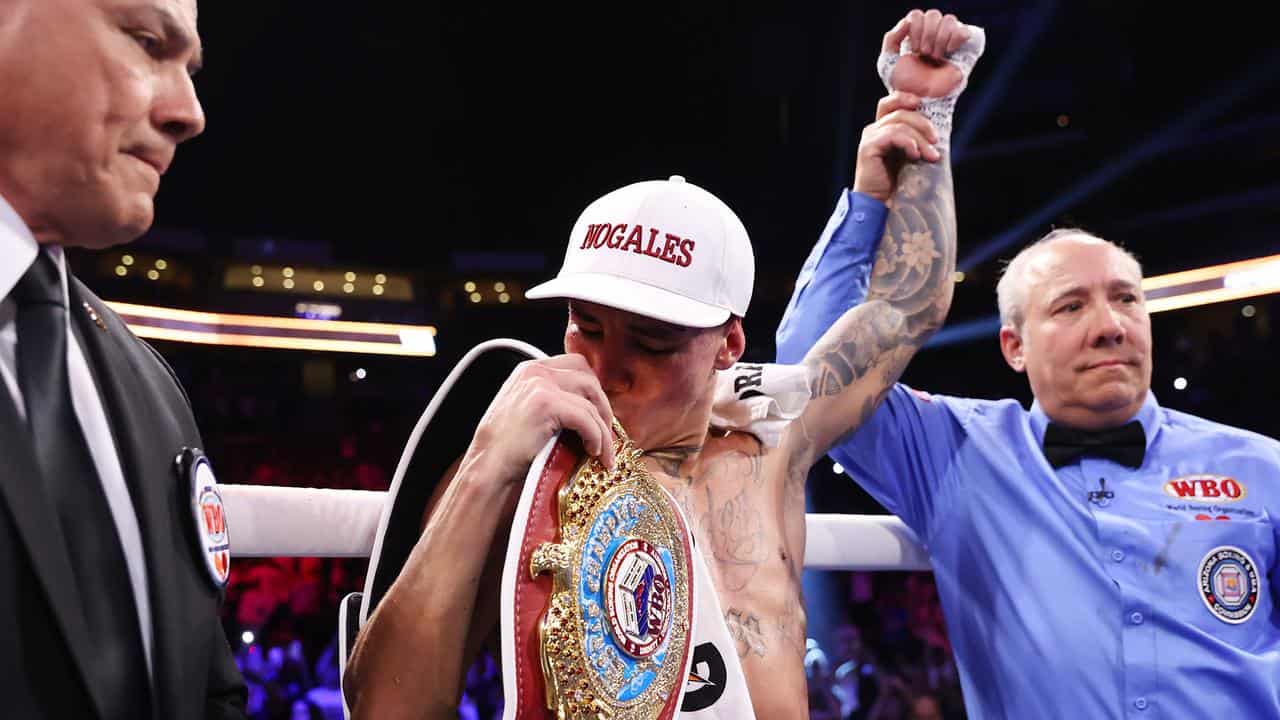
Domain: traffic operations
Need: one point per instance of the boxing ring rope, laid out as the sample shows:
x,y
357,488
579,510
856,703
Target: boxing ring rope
x,y
314,522
265,521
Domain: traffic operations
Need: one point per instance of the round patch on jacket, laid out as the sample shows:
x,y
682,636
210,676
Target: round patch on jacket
x,y
1229,584
208,515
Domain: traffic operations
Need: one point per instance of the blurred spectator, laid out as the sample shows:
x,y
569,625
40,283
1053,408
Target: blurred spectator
x,y
893,700
817,669
327,694
853,681
925,707
484,687
303,709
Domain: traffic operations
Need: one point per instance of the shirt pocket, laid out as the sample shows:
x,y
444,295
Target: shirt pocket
x,y
1215,576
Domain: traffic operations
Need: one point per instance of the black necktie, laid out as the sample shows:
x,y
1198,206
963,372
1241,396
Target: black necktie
x,y
72,484
1126,444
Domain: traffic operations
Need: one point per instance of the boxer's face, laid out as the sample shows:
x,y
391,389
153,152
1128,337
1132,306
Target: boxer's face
x,y
96,97
659,377
1085,341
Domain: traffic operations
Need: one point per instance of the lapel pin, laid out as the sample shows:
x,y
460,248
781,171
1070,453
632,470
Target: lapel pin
x,y
93,315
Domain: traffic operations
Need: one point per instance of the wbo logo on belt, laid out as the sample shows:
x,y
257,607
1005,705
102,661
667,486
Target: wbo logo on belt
x,y
615,637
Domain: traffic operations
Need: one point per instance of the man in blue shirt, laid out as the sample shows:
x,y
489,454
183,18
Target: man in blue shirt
x,y
1097,556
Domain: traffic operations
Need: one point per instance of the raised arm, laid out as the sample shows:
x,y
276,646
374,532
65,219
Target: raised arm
x,y
902,158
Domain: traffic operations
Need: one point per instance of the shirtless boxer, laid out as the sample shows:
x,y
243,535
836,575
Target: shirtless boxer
x,y
643,343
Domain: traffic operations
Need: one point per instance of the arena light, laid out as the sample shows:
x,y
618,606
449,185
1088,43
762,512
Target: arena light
x,y
284,333
1215,283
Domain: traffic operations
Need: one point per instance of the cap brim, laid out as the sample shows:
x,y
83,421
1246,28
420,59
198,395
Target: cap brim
x,y
635,297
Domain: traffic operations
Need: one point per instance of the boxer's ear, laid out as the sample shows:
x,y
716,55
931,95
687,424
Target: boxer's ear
x,y
732,344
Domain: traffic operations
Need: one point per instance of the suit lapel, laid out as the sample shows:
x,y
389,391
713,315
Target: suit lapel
x,y
148,439
32,512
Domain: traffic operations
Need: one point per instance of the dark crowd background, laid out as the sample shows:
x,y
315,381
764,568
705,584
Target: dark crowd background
x,y
452,146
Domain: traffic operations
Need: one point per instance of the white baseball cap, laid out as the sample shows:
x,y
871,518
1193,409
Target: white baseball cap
x,y
665,249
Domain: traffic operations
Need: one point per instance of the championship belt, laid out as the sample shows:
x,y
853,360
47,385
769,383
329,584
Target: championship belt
x,y
597,606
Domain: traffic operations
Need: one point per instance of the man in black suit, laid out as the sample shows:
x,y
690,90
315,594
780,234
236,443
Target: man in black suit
x,y
107,601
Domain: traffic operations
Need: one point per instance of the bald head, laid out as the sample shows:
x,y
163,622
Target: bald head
x,y
1012,290
1075,321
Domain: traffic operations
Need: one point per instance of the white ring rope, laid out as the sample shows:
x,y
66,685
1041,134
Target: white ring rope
x,y
264,521
318,522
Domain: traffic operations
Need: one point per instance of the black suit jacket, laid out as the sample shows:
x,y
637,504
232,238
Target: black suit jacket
x,y
47,659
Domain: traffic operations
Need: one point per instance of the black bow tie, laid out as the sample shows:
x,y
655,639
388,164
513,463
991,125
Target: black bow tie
x,y
1126,444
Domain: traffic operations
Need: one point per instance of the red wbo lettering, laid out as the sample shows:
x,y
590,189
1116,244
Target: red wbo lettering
x,y
1206,488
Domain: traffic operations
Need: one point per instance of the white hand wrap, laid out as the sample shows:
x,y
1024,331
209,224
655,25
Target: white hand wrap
x,y
939,110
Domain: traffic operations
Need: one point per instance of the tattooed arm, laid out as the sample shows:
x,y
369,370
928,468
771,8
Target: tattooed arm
x,y
867,349
865,352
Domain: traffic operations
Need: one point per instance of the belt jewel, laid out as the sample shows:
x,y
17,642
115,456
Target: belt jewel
x,y
615,636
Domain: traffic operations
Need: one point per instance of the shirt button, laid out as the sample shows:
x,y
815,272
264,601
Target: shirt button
x,y
1136,619
1117,555
1140,703
859,216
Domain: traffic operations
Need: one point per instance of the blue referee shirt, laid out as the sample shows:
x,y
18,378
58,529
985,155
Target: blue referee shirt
x,y
835,275
1091,591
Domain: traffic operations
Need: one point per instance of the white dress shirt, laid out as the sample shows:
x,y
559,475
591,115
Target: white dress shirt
x,y
18,250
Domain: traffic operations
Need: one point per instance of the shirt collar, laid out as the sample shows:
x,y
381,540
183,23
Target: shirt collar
x,y
18,244
1150,415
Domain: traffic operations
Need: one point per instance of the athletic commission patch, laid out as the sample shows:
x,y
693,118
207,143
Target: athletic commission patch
x,y
209,519
1229,584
